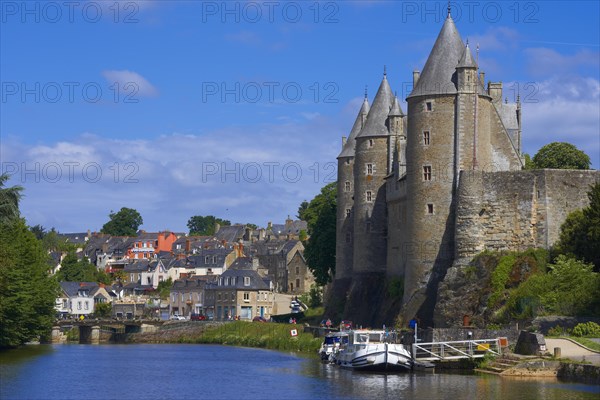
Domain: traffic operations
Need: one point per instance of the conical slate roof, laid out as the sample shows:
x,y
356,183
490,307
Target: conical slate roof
x,y
382,103
439,73
396,111
466,61
348,149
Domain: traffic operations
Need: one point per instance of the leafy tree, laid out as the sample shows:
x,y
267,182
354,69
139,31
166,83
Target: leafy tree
x,y
164,288
103,310
561,155
302,210
123,223
28,291
199,225
580,233
39,231
9,200
529,164
320,216
569,288
74,270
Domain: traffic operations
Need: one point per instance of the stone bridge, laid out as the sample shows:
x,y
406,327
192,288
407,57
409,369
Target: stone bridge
x,y
95,331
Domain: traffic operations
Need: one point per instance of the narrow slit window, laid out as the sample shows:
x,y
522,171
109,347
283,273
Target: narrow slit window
x,y
427,173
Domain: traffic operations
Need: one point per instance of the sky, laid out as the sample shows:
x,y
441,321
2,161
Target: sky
x,y
236,109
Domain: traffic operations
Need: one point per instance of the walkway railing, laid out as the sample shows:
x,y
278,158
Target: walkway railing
x,y
436,351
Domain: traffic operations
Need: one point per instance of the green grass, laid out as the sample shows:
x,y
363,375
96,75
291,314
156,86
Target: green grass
x,y
254,334
590,344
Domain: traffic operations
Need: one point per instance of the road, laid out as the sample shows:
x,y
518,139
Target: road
x,y
572,351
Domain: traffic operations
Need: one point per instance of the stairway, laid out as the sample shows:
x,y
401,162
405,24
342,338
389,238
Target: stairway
x,y
499,365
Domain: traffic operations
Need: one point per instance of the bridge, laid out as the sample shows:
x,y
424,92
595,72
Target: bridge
x,y
94,331
465,349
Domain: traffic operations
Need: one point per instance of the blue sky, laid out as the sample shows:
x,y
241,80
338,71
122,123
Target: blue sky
x,y
237,109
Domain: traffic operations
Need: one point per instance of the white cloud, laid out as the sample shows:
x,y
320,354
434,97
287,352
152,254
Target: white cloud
x,y
130,82
542,61
245,174
565,109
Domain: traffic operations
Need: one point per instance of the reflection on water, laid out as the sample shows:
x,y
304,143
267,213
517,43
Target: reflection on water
x,y
219,372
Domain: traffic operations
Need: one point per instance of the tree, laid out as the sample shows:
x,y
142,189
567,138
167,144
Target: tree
x,y
199,225
580,233
302,210
74,270
39,231
9,200
320,215
123,223
164,288
102,310
28,291
561,155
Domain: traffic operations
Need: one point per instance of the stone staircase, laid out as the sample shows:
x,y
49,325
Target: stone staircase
x,y
499,365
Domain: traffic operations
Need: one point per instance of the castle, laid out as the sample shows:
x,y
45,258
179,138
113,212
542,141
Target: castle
x,y
423,191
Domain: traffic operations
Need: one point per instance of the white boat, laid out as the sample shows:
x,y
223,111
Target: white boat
x,y
331,345
374,350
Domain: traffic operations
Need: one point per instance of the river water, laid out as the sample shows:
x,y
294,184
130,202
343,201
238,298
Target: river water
x,y
219,372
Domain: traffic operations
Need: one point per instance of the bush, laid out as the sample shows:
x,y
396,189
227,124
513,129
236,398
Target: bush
x,y
587,329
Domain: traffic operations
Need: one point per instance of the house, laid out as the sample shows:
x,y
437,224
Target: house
x,y
300,277
242,292
79,298
146,245
188,296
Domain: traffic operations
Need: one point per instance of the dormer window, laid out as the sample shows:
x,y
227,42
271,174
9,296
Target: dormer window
x,y
246,281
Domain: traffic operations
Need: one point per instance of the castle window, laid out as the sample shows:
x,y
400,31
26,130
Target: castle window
x,y
369,196
428,106
347,161
429,208
348,237
369,169
426,138
348,211
427,173
347,186
370,142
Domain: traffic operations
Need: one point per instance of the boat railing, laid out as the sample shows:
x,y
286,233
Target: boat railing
x,y
435,351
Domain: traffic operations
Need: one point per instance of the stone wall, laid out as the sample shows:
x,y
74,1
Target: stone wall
x,y
516,210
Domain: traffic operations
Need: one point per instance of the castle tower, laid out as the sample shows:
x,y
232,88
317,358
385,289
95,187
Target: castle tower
x,y
371,165
345,198
431,173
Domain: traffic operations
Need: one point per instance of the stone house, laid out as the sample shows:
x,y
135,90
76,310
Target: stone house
x,y
188,296
242,292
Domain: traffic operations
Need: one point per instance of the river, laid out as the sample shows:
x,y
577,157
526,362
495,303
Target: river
x,y
181,371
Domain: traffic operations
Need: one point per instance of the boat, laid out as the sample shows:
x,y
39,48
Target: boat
x,y
331,345
374,350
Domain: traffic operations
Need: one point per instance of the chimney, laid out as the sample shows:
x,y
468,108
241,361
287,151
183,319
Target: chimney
x,y
288,223
416,76
495,91
482,77
188,245
344,139
254,263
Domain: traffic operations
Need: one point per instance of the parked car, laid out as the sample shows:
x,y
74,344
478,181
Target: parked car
x,y
259,319
198,317
177,317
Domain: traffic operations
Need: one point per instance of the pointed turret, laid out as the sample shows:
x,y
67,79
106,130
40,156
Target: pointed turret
x,y
466,61
439,73
376,119
348,148
396,111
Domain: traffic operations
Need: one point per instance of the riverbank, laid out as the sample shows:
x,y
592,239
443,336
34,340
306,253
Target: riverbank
x,y
287,337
